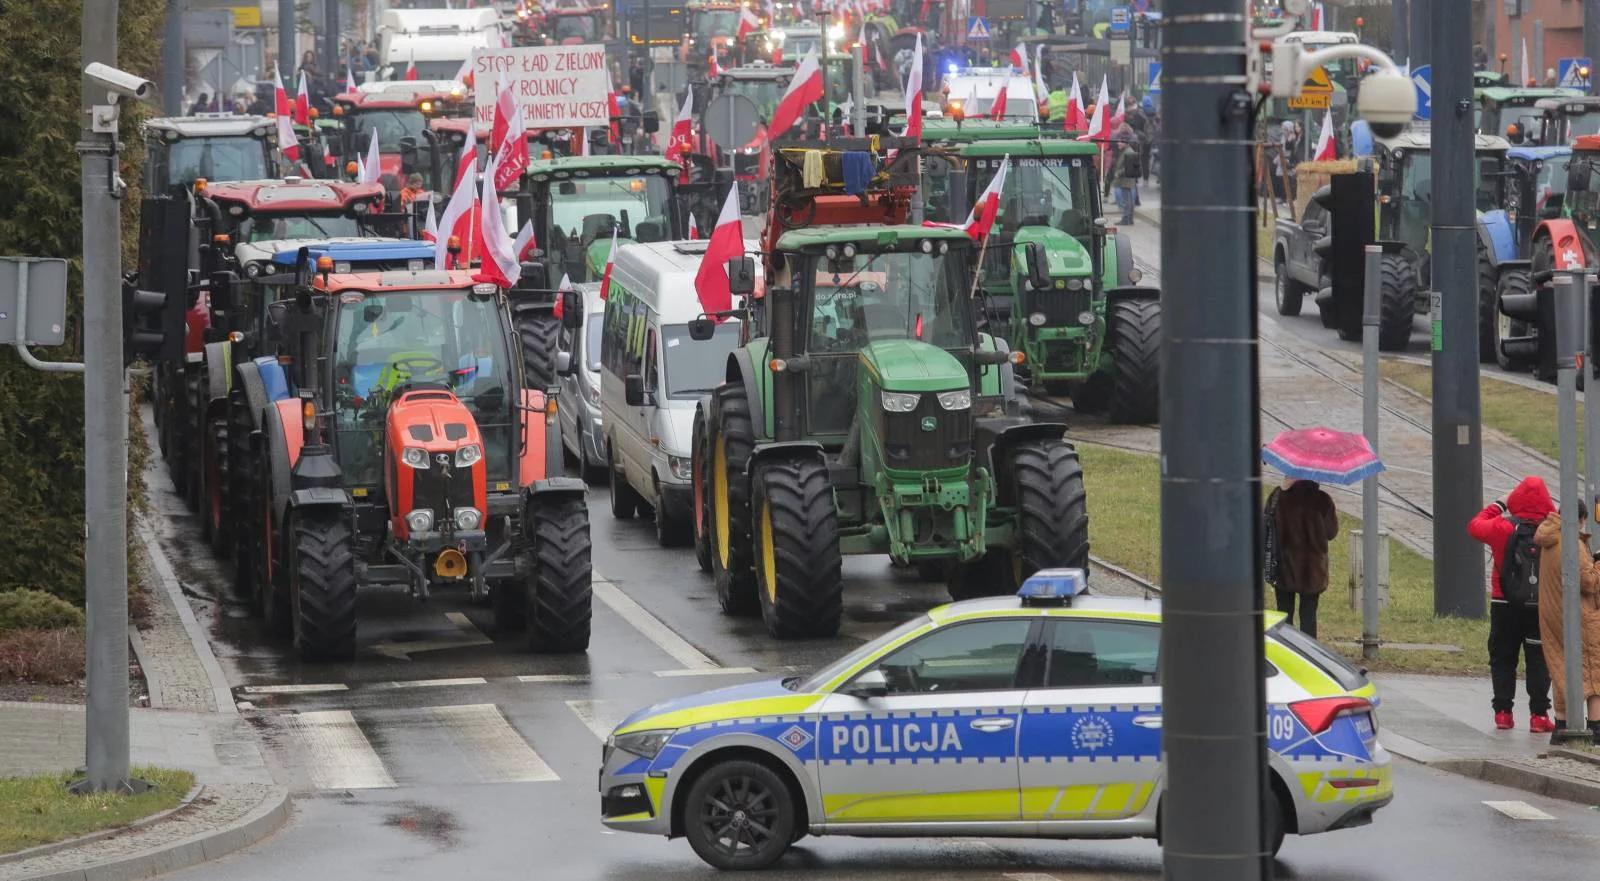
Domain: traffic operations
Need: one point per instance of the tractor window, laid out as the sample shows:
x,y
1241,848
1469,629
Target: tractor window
x,y
1578,126
1489,186
586,209
215,159
1416,181
710,23
391,126
1054,191
765,94
267,228
387,342
574,28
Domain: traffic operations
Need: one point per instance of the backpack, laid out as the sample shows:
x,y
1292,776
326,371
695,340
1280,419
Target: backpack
x,y
1132,167
1519,565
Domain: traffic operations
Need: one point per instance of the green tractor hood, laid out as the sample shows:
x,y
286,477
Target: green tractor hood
x,y
913,366
1065,255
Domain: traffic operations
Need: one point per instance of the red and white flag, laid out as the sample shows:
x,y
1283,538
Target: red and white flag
x,y
1121,116
1019,58
1076,120
500,264
559,310
510,136
748,23
288,141
349,77
727,242
804,88
302,103
430,231
1327,151
411,68
458,211
1097,122
694,227
914,95
613,109
680,143
611,260
464,74
372,167
998,111
1041,92
525,241
987,206
505,107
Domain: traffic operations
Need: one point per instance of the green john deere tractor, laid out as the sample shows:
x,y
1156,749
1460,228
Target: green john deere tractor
x,y
1060,286
865,413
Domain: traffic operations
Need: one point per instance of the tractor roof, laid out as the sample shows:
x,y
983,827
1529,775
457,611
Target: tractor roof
x,y
1021,148
208,125
1320,38
1420,137
797,239
759,71
458,125
385,282
398,99
293,195
1572,103
603,165
1506,95
946,129
1538,153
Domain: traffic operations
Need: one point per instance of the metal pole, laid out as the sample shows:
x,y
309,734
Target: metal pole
x,y
1457,434
330,37
1515,70
1569,312
1491,22
287,62
1423,36
858,90
1213,699
1591,36
1369,426
1402,31
105,411
174,74
1536,66
1591,409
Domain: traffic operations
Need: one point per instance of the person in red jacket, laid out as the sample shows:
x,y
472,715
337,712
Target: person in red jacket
x,y
1514,626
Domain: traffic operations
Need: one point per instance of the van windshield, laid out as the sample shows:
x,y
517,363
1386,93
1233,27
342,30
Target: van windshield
x,y
694,367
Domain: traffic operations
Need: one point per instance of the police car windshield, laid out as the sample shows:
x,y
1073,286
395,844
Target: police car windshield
x,y
820,678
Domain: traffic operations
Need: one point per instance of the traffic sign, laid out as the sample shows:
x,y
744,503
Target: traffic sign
x,y
1154,87
1315,94
1574,72
1120,17
977,27
1422,78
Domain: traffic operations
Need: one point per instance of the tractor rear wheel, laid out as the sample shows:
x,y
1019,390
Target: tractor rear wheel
x,y
697,487
1135,330
537,331
1046,485
1514,281
729,519
560,595
799,575
218,524
240,507
322,587
1397,301
1488,305
190,443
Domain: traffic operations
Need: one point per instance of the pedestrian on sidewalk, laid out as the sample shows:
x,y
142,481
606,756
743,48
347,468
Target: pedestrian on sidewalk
x,y
1302,520
1124,171
1510,523
1551,608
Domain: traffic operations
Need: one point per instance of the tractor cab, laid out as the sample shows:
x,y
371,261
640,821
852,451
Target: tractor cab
x,y
213,146
1581,201
1515,114
438,151
792,44
1536,188
1565,119
1405,187
397,114
713,25
242,213
579,203
763,86
575,22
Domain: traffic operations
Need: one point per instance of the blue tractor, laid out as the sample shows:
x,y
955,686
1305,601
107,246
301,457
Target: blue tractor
x,y
1536,181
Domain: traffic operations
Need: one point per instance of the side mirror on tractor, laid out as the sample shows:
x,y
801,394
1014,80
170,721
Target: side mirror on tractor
x,y
702,329
535,276
1578,174
408,155
571,310
742,276
652,122
633,392
221,291
1038,266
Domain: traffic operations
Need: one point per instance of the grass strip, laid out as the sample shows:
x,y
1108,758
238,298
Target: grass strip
x,y
1525,415
39,810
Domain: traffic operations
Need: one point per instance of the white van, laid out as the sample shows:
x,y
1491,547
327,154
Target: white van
x,y
651,376
437,41
977,88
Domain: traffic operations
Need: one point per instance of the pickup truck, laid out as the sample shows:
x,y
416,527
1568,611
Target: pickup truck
x,y
1300,270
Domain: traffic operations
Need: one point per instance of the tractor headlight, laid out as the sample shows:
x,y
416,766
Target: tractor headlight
x,y
468,455
420,520
644,744
1037,319
468,518
682,467
1135,275
960,399
253,269
849,250
900,402
1086,318
416,457
1074,284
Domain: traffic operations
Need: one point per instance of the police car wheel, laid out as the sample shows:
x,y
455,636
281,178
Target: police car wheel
x,y
1276,821
739,815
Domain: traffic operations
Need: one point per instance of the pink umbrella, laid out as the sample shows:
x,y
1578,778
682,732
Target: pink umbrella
x,y
1322,454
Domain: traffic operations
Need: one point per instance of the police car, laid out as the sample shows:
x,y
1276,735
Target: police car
x,y
1029,716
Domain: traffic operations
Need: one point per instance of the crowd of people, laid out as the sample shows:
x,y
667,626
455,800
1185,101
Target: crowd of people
x,y
254,97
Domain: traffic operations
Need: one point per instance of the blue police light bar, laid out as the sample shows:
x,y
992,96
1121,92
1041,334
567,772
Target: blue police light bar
x,y
1053,587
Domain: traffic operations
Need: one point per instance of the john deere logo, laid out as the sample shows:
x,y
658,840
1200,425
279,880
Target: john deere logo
x,y
929,423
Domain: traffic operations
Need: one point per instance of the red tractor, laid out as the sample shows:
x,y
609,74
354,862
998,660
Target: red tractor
x,y
393,441
397,114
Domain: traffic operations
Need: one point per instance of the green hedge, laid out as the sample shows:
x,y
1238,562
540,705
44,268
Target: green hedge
x,y
41,415
36,610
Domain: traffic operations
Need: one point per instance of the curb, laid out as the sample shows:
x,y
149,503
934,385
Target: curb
x,y
55,846
222,695
1523,778
265,819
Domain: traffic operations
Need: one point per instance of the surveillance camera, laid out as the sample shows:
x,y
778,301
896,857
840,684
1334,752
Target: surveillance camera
x,y
118,83
1388,102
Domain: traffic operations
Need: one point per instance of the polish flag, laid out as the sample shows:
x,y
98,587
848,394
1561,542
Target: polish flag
x,y
680,143
804,88
559,310
613,109
525,241
411,68
727,242
1076,121
998,111
511,156
1121,116
464,75
1041,92
748,22
694,227
349,77
302,103
500,264
361,170
1019,59
372,167
914,95
611,260
457,211
430,232
981,219
505,107
713,69
288,141
1097,123
1326,150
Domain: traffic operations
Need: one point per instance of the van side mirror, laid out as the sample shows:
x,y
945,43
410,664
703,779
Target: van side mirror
x,y
702,329
571,310
870,684
1038,265
742,276
564,364
633,392
652,122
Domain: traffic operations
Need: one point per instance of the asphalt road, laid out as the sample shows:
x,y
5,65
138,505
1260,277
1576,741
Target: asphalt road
x,y
442,750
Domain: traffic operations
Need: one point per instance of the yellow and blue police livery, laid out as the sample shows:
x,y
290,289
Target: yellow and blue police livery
x,y
1031,716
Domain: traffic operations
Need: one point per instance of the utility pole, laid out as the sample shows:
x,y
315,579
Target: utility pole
x,y
105,428
1457,427
330,38
287,62
1422,33
1401,31
1591,36
1491,10
173,69
1213,700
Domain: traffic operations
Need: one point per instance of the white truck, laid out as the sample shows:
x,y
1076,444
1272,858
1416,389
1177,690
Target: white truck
x,y
436,41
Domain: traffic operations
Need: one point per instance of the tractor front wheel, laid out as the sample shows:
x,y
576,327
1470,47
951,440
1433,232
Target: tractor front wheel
x,y
1052,523
699,455
322,587
560,595
538,330
1135,330
729,519
799,574
218,525
1397,300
